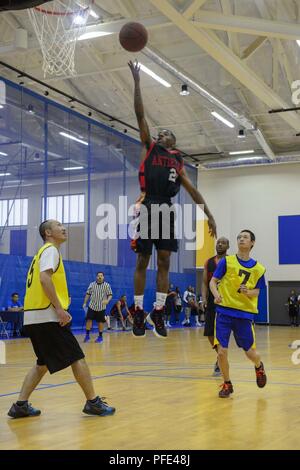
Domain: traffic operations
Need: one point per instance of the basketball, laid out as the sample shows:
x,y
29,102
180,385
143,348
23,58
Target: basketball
x,y
133,37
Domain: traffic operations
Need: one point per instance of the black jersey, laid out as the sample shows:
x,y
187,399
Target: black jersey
x,y
159,173
211,266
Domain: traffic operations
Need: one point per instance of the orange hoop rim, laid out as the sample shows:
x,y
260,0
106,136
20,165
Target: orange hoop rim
x,y
67,13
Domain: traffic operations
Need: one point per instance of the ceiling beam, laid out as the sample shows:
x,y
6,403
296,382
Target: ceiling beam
x,y
275,66
280,52
205,19
247,25
126,8
284,60
209,42
253,47
232,37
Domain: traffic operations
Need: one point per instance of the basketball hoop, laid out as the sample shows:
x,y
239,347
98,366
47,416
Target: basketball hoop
x,y
58,26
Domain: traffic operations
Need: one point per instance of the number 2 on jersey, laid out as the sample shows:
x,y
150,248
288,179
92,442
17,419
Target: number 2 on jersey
x,y
173,175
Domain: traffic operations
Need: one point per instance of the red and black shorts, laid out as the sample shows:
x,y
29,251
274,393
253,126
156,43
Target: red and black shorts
x,y
156,227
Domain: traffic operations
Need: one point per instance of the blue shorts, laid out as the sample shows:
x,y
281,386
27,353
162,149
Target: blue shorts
x,y
242,329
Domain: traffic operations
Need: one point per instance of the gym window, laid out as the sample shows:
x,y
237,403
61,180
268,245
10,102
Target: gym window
x,y
13,212
67,209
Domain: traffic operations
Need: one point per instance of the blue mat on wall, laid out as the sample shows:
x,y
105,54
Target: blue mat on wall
x,y
288,239
13,271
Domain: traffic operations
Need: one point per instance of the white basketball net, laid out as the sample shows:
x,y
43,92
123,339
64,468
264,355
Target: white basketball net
x,y
58,25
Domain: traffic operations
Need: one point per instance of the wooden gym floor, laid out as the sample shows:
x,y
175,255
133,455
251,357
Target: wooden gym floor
x,y
165,395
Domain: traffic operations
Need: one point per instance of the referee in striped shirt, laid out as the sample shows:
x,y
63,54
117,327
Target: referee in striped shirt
x,y
99,294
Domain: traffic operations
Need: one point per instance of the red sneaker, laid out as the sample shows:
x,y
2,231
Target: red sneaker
x,y
226,390
261,378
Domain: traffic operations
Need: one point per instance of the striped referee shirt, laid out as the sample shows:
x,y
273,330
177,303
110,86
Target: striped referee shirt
x,y
98,292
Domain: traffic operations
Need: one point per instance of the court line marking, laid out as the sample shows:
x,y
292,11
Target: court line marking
x,y
145,373
145,364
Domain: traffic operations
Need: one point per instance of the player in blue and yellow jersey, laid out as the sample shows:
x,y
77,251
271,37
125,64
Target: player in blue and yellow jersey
x,y
235,286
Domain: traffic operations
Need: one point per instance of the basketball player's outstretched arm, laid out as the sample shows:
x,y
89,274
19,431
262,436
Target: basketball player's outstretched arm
x,y
198,199
138,105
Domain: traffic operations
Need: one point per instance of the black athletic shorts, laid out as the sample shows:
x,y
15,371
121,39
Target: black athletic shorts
x,y
98,316
159,228
210,315
55,346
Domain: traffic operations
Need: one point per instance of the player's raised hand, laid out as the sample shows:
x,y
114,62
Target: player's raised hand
x,y
135,69
212,226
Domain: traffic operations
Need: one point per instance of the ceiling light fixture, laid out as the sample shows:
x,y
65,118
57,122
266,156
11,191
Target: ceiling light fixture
x,y
30,109
5,174
241,152
70,168
4,154
184,90
94,14
71,137
248,159
154,75
79,20
92,35
222,119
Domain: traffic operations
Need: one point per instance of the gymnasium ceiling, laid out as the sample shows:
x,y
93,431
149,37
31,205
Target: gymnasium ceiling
x,y
243,52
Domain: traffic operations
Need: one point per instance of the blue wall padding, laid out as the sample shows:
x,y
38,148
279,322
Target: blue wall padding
x,y
126,256
18,242
288,239
13,271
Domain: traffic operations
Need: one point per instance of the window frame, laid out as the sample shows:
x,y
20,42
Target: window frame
x,y
63,219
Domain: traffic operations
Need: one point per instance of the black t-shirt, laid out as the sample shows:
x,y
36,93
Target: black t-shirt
x,y
210,266
170,300
159,173
293,304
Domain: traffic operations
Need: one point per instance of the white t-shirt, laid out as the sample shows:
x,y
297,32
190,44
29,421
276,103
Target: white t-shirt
x,y
48,260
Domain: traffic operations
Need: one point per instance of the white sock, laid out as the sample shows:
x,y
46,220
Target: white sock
x,y
160,300
139,301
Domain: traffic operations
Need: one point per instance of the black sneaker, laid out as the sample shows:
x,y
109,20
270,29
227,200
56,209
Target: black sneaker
x,y
138,328
99,408
155,318
23,411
